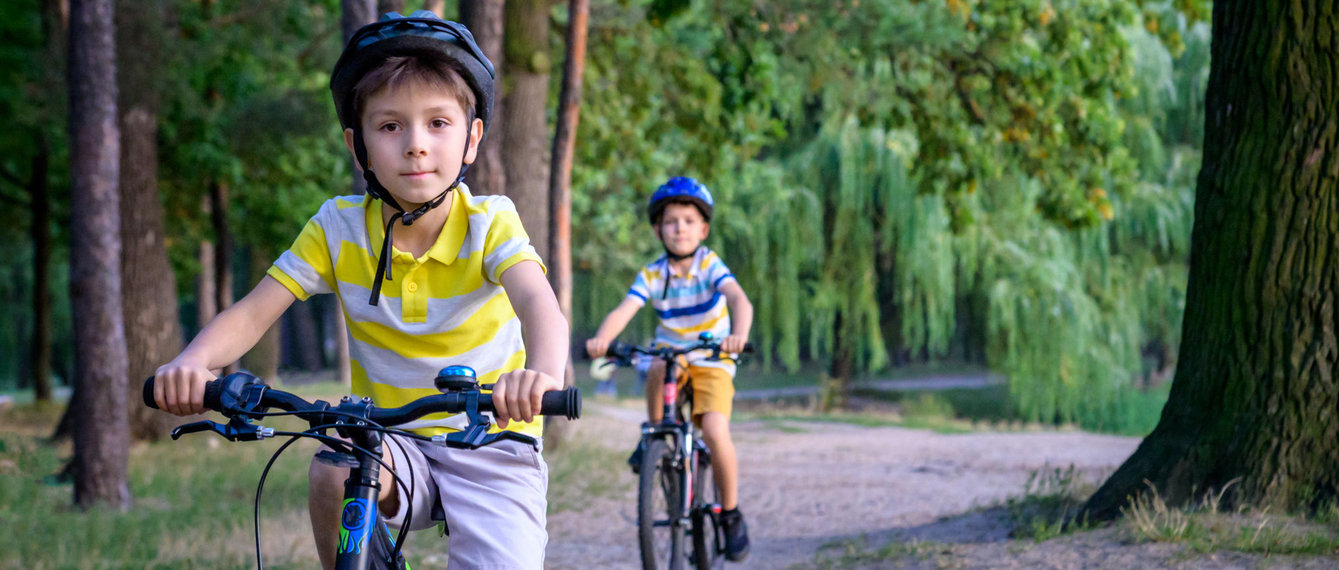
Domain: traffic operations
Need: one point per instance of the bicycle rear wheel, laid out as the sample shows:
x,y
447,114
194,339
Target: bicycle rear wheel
x,y
658,528
707,537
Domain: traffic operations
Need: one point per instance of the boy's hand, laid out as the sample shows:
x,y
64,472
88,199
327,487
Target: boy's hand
x,y
596,347
517,395
734,343
179,388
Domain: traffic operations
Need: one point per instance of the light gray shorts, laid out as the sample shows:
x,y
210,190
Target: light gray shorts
x,y
494,499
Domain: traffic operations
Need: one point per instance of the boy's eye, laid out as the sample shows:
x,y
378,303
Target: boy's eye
x,y
390,127
439,123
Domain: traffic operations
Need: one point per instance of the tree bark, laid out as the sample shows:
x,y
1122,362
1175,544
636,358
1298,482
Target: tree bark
x,y
149,288
40,232
526,125
1252,405
384,6
355,14
101,437
560,187
484,18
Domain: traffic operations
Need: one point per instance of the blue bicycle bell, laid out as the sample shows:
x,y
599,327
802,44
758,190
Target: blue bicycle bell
x,y
456,379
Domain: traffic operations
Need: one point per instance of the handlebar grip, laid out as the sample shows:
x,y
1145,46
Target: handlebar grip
x,y
148,394
562,403
213,392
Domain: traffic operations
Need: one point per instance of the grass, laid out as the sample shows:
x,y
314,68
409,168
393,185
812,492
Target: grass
x,y
1049,501
855,552
1206,527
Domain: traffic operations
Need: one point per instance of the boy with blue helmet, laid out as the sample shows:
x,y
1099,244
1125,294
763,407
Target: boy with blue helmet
x,y
459,283
692,291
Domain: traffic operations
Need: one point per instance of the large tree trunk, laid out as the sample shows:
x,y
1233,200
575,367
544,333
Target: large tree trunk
x,y
560,186
484,19
101,438
149,288
525,127
355,14
1253,400
40,231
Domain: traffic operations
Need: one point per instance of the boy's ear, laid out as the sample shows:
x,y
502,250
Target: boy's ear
x,y
476,134
348,142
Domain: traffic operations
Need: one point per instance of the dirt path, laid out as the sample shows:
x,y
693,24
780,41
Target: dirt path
x,y
807,485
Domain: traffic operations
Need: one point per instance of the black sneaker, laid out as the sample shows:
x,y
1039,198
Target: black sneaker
x,y
736,535
635,460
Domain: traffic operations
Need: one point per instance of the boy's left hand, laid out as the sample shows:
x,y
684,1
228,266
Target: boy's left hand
x,y
517,395
734,343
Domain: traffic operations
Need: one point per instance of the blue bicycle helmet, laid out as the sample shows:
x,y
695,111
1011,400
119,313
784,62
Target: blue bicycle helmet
x,y
680,188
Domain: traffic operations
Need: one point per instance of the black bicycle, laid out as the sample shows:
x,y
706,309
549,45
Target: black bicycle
x,y
365,539
677,497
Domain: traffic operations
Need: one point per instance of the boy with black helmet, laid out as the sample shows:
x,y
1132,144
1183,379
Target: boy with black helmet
x,y
458,283
692,291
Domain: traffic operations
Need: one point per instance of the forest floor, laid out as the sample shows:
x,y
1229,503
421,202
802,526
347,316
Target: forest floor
x,y
824,494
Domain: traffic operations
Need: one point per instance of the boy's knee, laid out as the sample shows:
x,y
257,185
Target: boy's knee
x,y
715,427
324,479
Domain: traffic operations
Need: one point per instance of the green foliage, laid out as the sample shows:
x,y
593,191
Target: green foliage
x,y
888,166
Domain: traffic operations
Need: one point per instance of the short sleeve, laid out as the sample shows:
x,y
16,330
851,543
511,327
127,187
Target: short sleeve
x,y
506,243
306,268
639,291
718,274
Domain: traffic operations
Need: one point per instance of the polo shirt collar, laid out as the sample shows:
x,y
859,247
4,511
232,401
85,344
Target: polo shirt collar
x,y
447,247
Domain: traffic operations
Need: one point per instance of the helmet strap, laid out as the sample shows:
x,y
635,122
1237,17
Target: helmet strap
x,y
376,190
671,257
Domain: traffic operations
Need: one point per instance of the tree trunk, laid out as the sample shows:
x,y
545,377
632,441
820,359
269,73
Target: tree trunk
x,y
355,14
101,438
484,19
218,211
1253,401
384,6
560,187
149,288
40,231
525,126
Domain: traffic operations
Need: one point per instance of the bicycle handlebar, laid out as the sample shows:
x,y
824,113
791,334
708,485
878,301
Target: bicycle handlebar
x,y
624,351
245,395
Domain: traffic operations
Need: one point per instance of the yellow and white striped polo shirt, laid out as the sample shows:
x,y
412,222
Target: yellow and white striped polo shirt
x,y
444,308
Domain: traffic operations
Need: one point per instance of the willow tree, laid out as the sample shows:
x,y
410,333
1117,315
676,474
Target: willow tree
x,y
1252,406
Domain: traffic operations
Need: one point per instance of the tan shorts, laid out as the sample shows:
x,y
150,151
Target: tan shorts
x,y
494,498
713,387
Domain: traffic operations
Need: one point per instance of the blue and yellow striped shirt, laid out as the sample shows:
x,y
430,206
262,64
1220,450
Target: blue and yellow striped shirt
x,y
687,305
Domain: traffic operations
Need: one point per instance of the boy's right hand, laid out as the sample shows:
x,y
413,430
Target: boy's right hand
x,y
179,388
596,347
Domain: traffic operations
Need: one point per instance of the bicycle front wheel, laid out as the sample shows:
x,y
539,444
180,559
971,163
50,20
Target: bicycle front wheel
x,y
707,536
658,521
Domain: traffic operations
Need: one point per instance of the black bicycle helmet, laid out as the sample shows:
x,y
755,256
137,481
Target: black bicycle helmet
x,y
422,33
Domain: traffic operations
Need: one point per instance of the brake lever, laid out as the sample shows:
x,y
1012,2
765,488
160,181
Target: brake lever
x,y
236,429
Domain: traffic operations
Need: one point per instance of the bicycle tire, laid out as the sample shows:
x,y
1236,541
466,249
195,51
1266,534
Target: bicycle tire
x,y
707,537
660,538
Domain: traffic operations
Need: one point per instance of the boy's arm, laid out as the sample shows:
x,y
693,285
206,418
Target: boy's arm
x,y
179,385
517,394
741,317
613,324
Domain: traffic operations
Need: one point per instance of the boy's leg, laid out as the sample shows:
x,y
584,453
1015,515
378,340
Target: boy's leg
x,y
325,494
724,464
494,498
655,390
713,398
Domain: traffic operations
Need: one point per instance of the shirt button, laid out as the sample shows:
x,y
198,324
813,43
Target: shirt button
x,y
412,287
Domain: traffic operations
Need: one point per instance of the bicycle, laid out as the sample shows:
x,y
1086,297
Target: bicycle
x,y
365,539
675,480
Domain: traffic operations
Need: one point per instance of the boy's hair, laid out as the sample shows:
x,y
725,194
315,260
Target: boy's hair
x,y
398,71
678,200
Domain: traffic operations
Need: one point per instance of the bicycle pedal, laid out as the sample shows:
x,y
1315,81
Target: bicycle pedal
x,y
337,459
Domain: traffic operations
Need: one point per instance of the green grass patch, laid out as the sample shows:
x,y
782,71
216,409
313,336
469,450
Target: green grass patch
x,y
583,472
1206,528
1047,506
853,552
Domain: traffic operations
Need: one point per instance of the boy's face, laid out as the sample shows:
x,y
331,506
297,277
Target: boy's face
x,y
682,228
416,137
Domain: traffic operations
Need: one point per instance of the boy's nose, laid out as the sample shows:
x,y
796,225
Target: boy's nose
x,y
415,150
